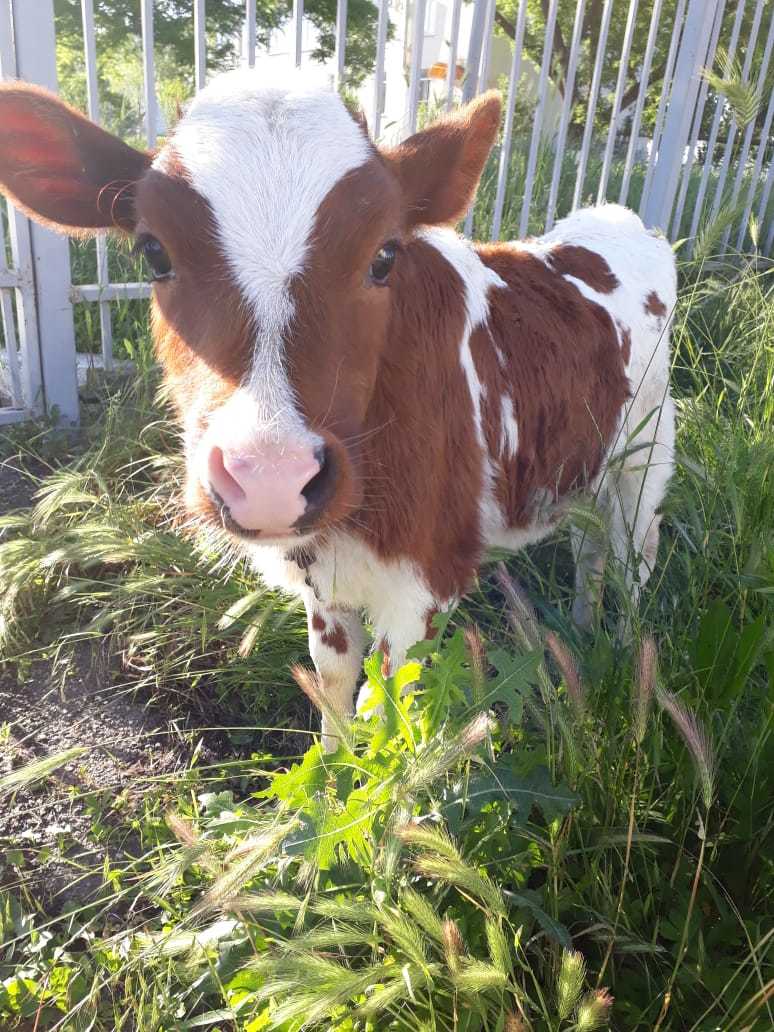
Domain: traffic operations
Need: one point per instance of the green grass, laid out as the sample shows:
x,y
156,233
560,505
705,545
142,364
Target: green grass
x,y
438,870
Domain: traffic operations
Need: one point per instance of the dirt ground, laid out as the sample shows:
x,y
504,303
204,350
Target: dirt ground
x,y
46,708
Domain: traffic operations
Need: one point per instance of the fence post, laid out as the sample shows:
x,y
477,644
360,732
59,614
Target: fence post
x,y
476,42
21,253
35,47
684,90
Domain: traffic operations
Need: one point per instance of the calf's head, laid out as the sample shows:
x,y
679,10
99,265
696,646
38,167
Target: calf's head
x,y
278,237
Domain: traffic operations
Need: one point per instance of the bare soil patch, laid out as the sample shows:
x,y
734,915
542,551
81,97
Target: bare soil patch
x,y
46,829
50,706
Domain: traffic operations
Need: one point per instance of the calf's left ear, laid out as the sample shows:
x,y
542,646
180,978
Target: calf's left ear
x,y
439,168
60,168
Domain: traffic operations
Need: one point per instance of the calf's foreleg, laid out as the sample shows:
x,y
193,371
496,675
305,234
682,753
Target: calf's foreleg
x,y
336,645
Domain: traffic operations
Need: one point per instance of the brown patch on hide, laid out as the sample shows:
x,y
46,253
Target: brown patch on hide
x,y
626,341
585,265
202,331
339,328
564,372
654,305
317,622
430,615
421,464
336,639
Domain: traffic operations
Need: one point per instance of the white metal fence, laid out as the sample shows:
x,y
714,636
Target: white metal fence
x,y
687,169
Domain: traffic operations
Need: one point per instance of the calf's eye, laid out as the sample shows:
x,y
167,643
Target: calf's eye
x,y
382,264
157,258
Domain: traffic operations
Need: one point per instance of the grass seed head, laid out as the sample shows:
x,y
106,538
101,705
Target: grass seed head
x,y
443,756
644,687
423,835
182,829
593,1011
475,647
696,739
572,974
520,612
453,946
513,1023
569,670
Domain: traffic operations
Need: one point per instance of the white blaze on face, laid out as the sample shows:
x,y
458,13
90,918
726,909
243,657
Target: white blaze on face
x,y
265,156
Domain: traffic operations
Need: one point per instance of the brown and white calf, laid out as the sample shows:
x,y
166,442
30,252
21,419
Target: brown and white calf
x,y
370,400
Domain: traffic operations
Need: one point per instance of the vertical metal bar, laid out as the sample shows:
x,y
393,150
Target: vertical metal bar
x,y
90,54
677,27
21,253
341,40
470,85
11,349
505,150
92,93
483,75
752,39
713,136
756,174
148,71
250,28
596,78
454,40
623,68
200,45
685,87
537,125
769,248
298,29
765,195
642,92
379,84
48,253
569,86
486,51
746,142
698,117
415,74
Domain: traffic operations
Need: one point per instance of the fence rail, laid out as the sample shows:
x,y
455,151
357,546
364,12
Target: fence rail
x,y
549,161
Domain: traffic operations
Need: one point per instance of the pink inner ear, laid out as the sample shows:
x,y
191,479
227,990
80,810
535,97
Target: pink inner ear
x,y
60,167
34,153
33,141
62,187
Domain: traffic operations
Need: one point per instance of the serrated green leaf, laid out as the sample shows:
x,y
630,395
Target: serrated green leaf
x,y
521,792
516,675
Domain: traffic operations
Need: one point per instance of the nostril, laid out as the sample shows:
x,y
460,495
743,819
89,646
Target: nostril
x,y
225,486
318,490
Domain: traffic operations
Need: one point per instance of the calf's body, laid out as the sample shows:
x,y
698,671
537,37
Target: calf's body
x,y
549,357
369,400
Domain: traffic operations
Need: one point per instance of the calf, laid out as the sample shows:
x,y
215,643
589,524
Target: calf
x,y
369,400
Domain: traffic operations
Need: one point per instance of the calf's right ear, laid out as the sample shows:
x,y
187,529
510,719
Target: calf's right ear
x,y
61,169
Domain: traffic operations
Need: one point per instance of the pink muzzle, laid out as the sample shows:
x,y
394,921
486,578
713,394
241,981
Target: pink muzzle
x,y
262,483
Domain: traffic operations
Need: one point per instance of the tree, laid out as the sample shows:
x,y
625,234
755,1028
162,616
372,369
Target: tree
x,y
118,31
537,13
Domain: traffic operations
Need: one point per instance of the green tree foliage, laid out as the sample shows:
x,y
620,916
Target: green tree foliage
x,y
118,33
537,13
